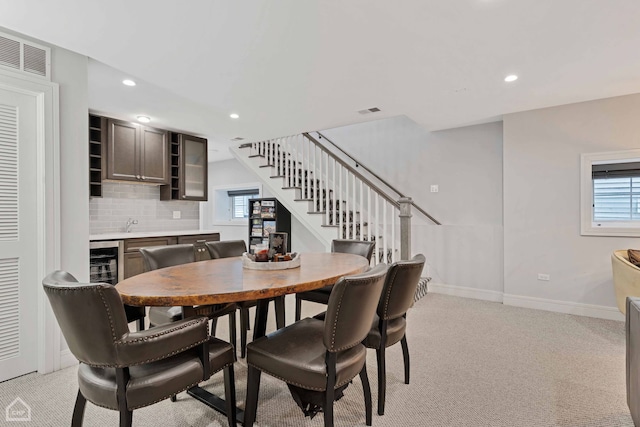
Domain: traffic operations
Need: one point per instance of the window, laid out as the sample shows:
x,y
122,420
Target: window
x,y
611,193
239,202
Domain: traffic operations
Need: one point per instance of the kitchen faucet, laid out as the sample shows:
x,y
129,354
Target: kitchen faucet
x,y
130,222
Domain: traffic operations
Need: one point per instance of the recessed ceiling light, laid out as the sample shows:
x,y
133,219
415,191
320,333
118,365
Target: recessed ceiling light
x,y
234,116
144,119
511,78
128,82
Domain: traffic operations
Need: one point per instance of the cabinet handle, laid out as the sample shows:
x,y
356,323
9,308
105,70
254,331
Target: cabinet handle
x,y
137,176
143,177
184,196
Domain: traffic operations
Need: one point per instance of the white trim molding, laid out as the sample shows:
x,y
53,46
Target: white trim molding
x,y
566,307
67,359
587,226
48,199
464,292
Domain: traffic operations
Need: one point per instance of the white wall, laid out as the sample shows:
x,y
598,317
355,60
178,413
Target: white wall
x,y
69,70
229,174
542,151
466,164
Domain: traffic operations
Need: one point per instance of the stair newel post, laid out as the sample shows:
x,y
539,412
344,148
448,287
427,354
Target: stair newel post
x,y
361,208
287,163
340,204
385,232
297,171
376,231
405,227
309,170
368,213
327,197
347,207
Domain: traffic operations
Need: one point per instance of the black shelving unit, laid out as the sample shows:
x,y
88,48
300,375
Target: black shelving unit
x,y
265,216
97,137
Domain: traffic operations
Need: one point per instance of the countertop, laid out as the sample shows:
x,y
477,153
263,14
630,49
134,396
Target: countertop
x,y
135,235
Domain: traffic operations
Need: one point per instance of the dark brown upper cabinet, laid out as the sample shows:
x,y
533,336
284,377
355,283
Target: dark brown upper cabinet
x,y
188,169
137,153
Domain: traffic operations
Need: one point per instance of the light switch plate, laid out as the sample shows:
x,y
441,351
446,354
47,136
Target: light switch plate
x,y
434,188
176,214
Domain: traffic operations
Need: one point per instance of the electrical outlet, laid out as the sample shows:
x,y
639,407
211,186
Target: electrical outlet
x,y
434,188
543,277
176,214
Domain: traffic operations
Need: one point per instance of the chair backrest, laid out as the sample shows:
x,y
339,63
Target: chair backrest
x,y
351,307
226,248
359,247
626,278
91,317
156,257
400,287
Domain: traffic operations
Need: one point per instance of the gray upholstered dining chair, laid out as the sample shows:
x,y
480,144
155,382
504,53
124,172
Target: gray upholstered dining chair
x,y
232,248
124,370
319,358
156,257
359,247
389,324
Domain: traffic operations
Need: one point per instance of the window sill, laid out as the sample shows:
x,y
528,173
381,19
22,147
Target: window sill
x,y
231,222
609,230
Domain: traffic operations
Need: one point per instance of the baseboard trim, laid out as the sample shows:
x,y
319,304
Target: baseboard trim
x,y
461,291
67,359
566,307
579,309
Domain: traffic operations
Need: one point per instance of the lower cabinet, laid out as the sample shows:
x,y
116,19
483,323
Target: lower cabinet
x,y
133,263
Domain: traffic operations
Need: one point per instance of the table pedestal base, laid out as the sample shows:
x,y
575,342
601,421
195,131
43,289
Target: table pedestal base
x,y
213,401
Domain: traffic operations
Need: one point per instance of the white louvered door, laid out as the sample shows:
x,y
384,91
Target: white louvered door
x,y
18,234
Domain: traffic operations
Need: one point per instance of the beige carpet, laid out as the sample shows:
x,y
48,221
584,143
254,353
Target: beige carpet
x,y
474,364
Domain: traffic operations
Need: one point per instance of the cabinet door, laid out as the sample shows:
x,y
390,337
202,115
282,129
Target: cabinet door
x,y
122,150
193,185
133,264
154,156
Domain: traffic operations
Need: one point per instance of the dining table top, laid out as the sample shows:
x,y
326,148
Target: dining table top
x,y
226,280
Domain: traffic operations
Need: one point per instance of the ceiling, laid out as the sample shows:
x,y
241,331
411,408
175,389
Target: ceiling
x,y
289,66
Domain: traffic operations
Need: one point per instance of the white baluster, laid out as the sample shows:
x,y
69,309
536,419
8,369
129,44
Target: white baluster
x,y
385,232
394,216
377,231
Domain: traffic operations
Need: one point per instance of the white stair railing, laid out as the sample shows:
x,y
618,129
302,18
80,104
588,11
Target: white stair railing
x,y
348,201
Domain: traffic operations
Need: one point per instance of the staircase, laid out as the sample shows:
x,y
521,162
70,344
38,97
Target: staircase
x,y
329,196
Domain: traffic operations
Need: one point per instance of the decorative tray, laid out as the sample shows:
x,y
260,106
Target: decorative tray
x,y
280,265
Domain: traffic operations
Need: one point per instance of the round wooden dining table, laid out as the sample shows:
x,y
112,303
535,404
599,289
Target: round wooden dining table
x,y
225,280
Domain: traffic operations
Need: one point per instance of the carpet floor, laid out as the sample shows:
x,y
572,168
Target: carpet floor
x,y
473,363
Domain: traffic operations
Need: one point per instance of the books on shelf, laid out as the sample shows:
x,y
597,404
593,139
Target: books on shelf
x,y
268,227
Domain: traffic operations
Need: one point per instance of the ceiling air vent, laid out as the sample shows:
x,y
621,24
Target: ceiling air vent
x,y
23,56
369,110
237,138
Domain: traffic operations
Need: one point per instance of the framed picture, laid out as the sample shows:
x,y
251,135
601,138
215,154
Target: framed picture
x,y
278,243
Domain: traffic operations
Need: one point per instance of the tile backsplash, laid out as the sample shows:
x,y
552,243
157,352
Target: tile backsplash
x,y
119,202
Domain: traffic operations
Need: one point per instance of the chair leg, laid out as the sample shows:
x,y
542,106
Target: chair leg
x,y
329,394
405,355
251,403
364,378
78,410
382,379
245,314
298,307
174,398
244,326
279,304
232,329
230,395
141,324
126,418
214,326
